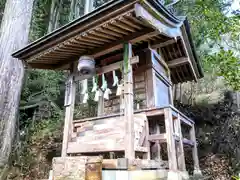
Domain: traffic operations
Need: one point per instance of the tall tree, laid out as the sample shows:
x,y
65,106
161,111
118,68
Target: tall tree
x,y
14,35
215,29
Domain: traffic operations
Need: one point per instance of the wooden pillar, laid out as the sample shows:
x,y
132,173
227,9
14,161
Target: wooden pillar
x,y
128,103
159,157
151,82
197,170
180,150
172,159
100,104
70,93
147,155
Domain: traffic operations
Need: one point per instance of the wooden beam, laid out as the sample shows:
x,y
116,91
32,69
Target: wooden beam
x,y
117,65
195,151
188,142
158,137
101,104
185,121
69,110
160,60
163,44
172,159
124,26
190,55
130,23
141,149
180,150
40,66
122,163
183,117
150,82
118,44
155,112
76,148
146,164
97,52
157,143
142,137
189,51
147,144
128,103
167,30
177,62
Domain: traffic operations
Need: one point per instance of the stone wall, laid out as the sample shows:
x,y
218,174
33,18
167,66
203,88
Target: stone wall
x,y
69,168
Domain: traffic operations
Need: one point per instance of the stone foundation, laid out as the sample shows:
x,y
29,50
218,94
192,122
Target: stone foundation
x,y
74,168
69,168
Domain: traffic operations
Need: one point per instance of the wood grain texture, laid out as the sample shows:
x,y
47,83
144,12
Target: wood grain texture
x,y
172,159
128,103
15,28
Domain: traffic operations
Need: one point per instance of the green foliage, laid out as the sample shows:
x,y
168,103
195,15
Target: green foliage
x,y
40,19
42,89
2,5
228,66
38,141
43,80
210,21
207,18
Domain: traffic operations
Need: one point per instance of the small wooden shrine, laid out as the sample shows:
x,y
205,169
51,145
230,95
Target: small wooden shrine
x,y
127,54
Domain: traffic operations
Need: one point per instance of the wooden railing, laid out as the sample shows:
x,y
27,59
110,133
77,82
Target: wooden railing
x,y
173,135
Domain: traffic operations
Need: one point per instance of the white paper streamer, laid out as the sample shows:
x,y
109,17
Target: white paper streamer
x,y
104,83
85,98
115,79
96,97
119,89
106,94
95,86
84,86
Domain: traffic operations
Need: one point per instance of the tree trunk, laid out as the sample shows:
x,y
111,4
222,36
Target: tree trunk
x,y
14,35
54,15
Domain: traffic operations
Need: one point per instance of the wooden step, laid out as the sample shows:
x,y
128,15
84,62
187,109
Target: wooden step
x,y
100,146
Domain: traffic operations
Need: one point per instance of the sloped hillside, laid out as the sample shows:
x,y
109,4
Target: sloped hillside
x,y
218,132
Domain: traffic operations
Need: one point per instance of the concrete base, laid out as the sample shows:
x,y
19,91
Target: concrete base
x,y
144,175
184,175
173,175
74,168
134,175
69,168
197,172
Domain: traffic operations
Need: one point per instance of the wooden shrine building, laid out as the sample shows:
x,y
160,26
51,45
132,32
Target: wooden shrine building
x,y
127,54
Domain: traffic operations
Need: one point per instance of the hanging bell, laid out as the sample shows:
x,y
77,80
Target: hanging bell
x,y
86,65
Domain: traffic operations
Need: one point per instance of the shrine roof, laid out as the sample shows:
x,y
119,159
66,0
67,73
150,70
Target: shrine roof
x,y
105,29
